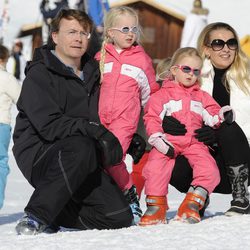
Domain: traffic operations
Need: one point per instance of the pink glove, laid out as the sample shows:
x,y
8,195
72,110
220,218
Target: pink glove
x,y
159,141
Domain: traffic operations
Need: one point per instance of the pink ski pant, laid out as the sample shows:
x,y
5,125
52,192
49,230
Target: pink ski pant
x,y
158,170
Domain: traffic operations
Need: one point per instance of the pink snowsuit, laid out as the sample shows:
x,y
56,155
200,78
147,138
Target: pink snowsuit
x,y
191,106
128,81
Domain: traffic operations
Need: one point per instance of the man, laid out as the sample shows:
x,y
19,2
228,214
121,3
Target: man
x,y
17,62
58,143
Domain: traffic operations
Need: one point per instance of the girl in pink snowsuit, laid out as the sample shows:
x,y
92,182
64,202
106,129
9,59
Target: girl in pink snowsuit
x,y
183,99
128,79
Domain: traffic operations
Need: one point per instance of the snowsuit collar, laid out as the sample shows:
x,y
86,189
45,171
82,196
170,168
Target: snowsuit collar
x,y
110,48
168,84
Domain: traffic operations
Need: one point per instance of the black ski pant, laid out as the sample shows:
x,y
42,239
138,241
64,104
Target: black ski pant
x,y
71,190
233,149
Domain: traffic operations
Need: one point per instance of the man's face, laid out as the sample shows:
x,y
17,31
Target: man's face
x,y
71,41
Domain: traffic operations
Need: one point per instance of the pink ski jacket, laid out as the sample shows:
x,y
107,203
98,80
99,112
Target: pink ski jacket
x,y
191,106
128,81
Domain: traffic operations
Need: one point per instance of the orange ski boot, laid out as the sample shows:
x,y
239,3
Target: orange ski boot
x,y
193,202
156,211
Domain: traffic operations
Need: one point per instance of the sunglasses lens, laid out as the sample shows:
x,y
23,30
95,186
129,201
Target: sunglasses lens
x,y
186,69
134,29
125,30
217,44
196,72
232,44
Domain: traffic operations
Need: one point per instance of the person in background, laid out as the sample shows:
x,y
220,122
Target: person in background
x,y
226,76
49,9
127,81
162,72
194,24
97,10
182,98
17,62
9,93
59,144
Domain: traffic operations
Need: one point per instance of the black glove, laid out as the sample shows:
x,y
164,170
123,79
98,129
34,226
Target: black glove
x,y
108,144
229,117
172,126
137,148
207,135
170,152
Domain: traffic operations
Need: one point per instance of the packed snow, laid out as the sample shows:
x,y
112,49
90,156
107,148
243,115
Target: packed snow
x,y
215,231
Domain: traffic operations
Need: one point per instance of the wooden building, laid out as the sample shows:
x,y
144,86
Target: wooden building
x,y
162,28
34,30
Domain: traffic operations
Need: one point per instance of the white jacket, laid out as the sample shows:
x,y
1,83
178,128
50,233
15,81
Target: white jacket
x,y
11,64
193,26
9,92
239,101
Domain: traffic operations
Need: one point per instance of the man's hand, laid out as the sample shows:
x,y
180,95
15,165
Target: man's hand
x,y
207,135
108,144
172,126
137,148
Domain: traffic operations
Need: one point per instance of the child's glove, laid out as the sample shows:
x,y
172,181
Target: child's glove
x,y
159,141
137,148
227,114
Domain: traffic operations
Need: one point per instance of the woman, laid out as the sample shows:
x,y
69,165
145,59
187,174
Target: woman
x,y
226,76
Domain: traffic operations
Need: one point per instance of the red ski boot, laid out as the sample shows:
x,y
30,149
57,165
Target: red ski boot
x,y
193,202
156,211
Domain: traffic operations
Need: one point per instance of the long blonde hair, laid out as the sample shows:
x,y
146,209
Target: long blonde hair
x,y
109,22
239,70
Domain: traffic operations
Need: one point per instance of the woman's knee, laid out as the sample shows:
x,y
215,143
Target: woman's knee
x,y
182,174
233,144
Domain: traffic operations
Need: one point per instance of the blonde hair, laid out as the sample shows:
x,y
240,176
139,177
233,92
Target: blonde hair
x,y
180,53
239,70
110,20
163,69
184,52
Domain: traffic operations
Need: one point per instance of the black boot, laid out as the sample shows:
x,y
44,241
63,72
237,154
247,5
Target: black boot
x,y
238,176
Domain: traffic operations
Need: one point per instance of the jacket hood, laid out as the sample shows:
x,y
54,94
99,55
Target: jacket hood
x,y
168,84
44,56
133,49
110,48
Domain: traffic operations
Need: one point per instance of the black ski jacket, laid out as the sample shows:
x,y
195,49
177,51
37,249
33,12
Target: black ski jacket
x,y
54,104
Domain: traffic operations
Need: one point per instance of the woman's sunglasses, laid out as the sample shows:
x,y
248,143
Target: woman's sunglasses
x,y
187,69
126,30
218,44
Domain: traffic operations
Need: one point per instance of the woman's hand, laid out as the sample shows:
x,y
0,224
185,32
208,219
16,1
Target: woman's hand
x,y
172,126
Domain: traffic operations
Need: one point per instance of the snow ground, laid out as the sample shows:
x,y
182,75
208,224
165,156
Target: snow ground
x,y
214,232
